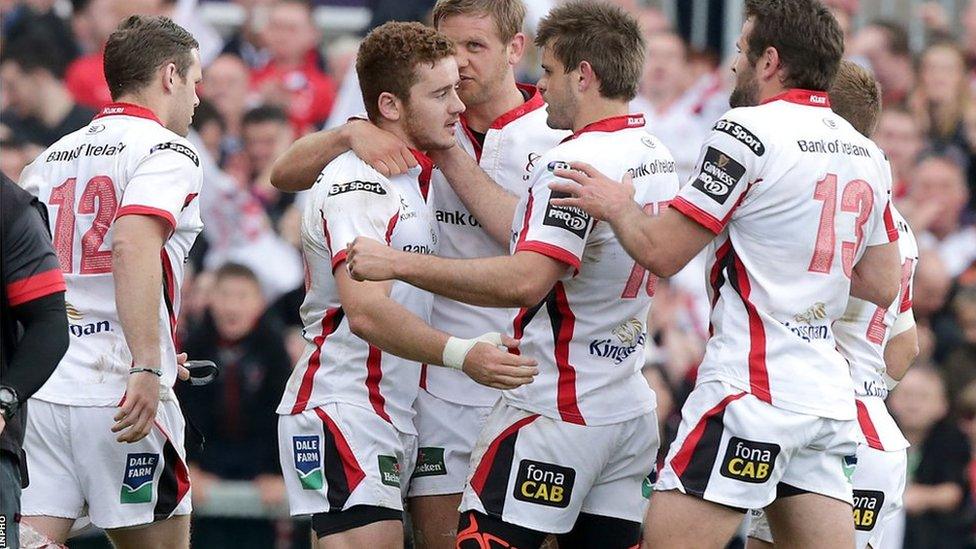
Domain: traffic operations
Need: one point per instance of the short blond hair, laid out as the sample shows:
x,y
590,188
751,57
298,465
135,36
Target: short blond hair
x,y
855,96
508,15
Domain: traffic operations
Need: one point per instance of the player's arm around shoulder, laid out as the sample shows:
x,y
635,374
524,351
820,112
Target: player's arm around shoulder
x,y
876,277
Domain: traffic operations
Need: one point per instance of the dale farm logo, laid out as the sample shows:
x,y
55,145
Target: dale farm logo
x,y
308,461
137,482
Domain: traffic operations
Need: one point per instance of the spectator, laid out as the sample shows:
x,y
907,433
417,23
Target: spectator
x,y
247,43
15,155
942,99
237,411
293,78
39,17
92,21
266,136
959,366
966,414
39,108
937,198
226,85
899,137
885,45
85,77
210,125
665,104
937,462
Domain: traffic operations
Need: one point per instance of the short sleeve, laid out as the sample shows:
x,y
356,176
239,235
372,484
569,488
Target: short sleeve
x,y
729,160
354,207
557,232
30,267
883,229
163,183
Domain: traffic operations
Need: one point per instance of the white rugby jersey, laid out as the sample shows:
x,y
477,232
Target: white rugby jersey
x,y
351,199
862,333
512,146
124,162
794,194
588,334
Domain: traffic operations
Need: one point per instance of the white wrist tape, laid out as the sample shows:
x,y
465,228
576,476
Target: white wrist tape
x,y
457,349
890,382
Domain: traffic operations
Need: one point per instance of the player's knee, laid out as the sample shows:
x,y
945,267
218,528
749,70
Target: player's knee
x,y
32,539
479,531
602,531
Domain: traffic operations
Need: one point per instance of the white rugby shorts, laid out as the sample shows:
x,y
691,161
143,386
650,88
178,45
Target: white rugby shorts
x,y
879,485
446,433
339,455
74,463
541,473
736,450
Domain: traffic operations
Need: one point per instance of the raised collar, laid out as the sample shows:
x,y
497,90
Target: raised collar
x,y
612,124
128,109
802,97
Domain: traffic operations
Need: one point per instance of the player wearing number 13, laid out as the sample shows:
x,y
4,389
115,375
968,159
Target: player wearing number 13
x,y
121,194
791,206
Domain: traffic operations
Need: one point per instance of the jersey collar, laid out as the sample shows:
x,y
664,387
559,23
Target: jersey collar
x,y
128,109
534,102
612,124
426,169
802,97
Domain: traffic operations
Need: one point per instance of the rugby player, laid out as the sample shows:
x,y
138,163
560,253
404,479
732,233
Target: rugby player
x,y
880,343
583,302
792,204
504,128
347,438
105,433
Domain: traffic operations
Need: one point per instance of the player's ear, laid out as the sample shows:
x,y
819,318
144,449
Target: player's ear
x,y
390,107
516,48
169,76
586,77
770,63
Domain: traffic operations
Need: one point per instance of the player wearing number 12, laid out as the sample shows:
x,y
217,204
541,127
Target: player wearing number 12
x,y
790,204
121,194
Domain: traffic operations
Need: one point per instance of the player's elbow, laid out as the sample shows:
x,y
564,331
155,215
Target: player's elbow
x,y
661,265
361,324
282,178
529,291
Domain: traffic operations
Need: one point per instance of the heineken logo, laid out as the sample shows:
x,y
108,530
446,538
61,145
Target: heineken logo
x,y
389,470
430,462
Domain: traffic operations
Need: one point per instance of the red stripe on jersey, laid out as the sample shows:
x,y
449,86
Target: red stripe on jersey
x,y
147,210
758,376
169,292
810,98
189,198
330,323
522,320
889,222
474,140
716,279
697,215
35,286
390,226
681,460
524,231
423,376
350,467
867,426
374,373
551,251
481,473
426,170
564,322
906,285
535,101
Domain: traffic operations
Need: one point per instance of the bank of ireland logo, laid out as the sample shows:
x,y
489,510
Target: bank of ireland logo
x,y
137,482
308,461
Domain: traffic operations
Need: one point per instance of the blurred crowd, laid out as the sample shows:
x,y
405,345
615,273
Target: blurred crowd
x,y
278,76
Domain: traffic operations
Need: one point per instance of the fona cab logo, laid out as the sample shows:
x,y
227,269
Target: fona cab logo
x,y
544,483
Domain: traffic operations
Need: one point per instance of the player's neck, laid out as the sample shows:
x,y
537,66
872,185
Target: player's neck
x,y
591,111
480,117
398,129
147,101
770,89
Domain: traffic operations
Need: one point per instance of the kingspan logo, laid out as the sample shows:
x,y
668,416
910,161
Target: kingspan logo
x,y
79,329
628,338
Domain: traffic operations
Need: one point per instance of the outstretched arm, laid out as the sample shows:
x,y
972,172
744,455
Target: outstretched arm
x,y
491,204
297,169
662,244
